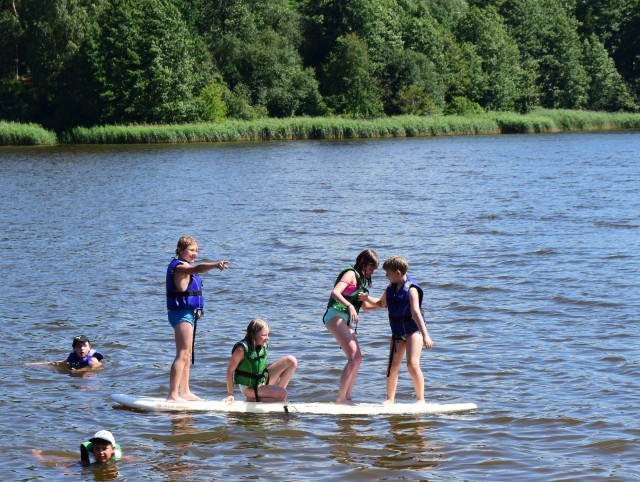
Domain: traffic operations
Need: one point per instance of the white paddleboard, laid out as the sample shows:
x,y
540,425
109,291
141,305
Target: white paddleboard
x,y
153,404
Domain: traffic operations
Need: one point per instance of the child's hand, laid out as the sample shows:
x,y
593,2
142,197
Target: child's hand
x,y
229,399
37,453
353,314
428,342
362,296
222,265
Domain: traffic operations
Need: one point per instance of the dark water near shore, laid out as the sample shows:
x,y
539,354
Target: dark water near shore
x,y
527,248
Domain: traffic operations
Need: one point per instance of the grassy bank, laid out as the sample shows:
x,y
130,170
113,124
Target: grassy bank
x,y
290,129
14,134
339,128
334,128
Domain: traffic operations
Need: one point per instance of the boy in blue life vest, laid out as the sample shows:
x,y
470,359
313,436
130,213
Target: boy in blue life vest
x,y
185,305
403,299
83,356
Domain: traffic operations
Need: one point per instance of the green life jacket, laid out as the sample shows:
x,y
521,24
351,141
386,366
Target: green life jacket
x,y
353,297
252,370
86,452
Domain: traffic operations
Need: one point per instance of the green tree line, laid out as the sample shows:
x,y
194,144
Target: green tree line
x,y
67,63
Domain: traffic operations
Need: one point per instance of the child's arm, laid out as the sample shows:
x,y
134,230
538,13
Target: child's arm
x,y
187,269
52,364
183,271
53,461
370,303
236,358
416,314
349,278
96,359
38,455
94,362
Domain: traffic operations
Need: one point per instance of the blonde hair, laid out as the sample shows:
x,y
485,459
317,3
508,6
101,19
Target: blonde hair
x,y
184,242
396,263
254,327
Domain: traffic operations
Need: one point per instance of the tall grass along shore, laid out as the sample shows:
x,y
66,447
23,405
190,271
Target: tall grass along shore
x,y
15,134
327,128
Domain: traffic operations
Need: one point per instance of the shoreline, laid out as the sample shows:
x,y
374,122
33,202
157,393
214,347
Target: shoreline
x,y
305,128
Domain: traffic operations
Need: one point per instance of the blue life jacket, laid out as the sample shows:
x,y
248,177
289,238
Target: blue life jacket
x,y
180,300
400,318
75,362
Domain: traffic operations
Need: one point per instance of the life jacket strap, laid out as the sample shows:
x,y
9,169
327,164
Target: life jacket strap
x,y
196,314
184,293
392,350
258,377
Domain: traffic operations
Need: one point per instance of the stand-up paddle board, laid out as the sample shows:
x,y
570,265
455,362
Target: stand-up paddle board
x,y
151,404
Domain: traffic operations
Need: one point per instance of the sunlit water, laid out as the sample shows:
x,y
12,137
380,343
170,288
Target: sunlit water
x,y
526,246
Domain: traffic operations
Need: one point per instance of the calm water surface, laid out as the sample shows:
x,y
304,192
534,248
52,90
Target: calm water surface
x,y
527,248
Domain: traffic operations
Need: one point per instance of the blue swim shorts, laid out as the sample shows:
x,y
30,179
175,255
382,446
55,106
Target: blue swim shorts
x,y
178,316
333,313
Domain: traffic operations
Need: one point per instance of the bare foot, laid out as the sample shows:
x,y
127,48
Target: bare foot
x,y
421,402
345,401
175,399
388,402
190,397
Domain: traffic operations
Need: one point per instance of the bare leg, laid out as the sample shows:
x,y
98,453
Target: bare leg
x,y
396,360
414,349
179,374
266,393
349,343
281,372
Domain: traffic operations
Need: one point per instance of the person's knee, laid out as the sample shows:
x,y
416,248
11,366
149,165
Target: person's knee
x,y
292,361
183,355
413,368
356,358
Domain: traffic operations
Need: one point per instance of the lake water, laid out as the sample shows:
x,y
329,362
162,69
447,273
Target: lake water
x,y
527,248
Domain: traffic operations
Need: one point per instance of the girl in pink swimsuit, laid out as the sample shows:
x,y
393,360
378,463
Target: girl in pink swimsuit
x,y
342,310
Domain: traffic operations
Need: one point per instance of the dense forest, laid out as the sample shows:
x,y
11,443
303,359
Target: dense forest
x,y
66,63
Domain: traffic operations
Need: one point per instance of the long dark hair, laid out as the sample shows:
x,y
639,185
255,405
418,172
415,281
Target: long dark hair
x,y
365,258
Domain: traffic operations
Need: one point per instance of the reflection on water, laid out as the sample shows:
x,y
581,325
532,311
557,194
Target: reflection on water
x,y
409,446
359,442
349,441
182,429
176,462
100,472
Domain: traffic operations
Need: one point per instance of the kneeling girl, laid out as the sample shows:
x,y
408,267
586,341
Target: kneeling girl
x,y
248,367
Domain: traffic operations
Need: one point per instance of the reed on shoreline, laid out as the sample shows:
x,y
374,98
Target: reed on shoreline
x,y
16,134
335,128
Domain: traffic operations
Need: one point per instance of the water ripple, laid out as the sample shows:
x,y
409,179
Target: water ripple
x,y
530,295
